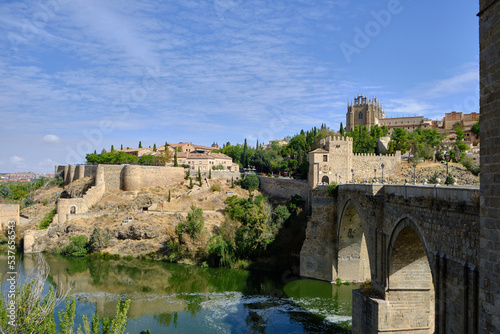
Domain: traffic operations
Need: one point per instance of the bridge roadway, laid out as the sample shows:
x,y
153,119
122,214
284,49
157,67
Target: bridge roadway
x,y
417,245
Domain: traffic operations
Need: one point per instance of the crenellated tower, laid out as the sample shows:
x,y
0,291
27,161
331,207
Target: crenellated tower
x,y
363,111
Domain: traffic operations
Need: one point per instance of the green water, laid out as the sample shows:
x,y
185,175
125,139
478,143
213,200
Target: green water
x,y
174,298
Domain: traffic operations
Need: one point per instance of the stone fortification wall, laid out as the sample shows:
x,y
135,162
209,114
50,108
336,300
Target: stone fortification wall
x,y
284,188
8,212
113,176
225,174
134,178
364,165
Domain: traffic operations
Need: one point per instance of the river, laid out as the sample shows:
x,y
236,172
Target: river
x,y
177,298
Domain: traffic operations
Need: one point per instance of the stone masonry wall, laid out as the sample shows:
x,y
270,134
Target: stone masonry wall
x,y
489,44
364,165
8,212
284,188
317,253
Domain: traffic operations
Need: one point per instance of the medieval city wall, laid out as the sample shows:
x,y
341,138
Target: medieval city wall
x,y
364,165
8,212
284,188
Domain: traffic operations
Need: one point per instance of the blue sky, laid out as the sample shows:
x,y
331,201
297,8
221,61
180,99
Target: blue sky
x,y
78,76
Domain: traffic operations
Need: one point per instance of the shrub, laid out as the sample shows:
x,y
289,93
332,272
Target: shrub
x,y
251,182
77,246
215,188
193,225
220,252
29,202
281,214
98,240
45,222
450,180
468,163
333,189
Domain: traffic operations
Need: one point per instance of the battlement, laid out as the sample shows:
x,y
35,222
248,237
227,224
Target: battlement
x,y
335,139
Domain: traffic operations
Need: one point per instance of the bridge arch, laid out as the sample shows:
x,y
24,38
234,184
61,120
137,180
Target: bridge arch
x,y
410,281
353,262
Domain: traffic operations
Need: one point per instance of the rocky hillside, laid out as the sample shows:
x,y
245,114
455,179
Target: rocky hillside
x,y
132,230
425,172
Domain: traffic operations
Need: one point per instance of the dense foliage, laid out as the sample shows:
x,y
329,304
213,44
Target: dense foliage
x,y
98,240
250,182
120,157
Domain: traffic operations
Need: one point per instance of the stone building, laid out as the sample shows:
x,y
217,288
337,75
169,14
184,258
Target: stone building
x,y
335,161
364,112
206,161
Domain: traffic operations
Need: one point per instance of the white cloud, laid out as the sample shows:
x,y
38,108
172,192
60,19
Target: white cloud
x,y
51,139
17,161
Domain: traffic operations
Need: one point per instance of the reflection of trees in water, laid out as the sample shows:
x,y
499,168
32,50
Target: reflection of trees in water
x,y
165,319
99,270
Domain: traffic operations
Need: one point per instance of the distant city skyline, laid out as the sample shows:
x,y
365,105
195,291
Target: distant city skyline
x,y
78,76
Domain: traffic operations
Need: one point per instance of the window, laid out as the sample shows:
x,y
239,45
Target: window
x,y
325,158
360,115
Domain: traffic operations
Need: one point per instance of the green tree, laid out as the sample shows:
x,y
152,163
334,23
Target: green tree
x,y
193,225
400,139
341,129
475,130
154,147
363,142
4,191
112,148
176,164
210,173
121,147
147,159
251,182
77,246
281,214
169,196
98,240
140,144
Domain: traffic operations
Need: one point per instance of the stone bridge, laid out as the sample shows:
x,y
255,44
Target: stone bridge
x,y
418,245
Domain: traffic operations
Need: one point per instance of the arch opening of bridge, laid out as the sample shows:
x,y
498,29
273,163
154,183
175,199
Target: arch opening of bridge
x,y
410,293
353,263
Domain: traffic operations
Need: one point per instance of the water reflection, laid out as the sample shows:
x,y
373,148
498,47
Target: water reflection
x,y
192,299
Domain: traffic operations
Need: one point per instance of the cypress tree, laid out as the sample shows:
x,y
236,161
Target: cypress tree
x,y
232,181
190,183
112,148
121,147
210,173
168,195
166,146
341,129
176,164
154,147
140,144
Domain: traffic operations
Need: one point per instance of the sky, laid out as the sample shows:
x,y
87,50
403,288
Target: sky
x,y
78,76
